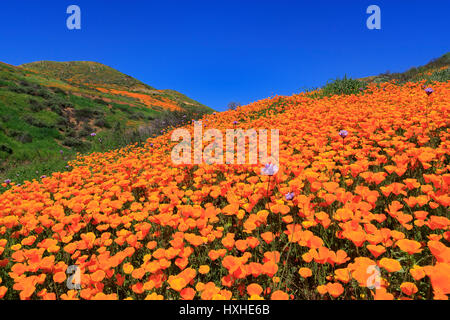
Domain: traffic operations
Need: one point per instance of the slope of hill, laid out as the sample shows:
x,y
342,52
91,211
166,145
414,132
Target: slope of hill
x,y
86,72
98,76
436,70
51,110
342,213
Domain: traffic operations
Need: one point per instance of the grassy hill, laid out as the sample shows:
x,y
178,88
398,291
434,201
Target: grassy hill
x,y
96,76
436,70
49,111
85,72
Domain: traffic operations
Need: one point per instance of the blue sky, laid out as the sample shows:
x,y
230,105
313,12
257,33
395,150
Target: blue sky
x,y
220,51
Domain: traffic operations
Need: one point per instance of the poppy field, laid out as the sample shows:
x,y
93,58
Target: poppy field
x,y
358,209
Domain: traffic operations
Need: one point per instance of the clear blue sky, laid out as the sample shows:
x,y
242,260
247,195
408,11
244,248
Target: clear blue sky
x,y
220,51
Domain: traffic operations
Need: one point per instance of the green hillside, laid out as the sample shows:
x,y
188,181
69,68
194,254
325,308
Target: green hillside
x,y
85,72
436,70
50,111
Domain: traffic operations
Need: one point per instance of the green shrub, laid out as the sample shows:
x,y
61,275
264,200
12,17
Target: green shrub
x,y
58,104
5,117
12,133
6,149
16,88
441,75
345,86
100,101
24,137
28,118
74,143
35,105
58,91
123,108
86,114
137,116
102,123
4,83
71,133
33,89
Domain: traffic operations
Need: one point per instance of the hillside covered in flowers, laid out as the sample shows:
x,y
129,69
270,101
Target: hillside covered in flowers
x,y
359,209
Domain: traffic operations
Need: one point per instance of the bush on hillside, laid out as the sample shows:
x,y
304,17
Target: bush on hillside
x,y
58,91
34,121
86,114
35,105
74,143
102,123
345,86
25,137
441,75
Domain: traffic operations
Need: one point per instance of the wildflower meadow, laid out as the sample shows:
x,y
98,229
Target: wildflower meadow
x,y
357,207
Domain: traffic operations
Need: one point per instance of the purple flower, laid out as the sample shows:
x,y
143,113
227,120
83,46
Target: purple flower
x,y
60,151
343,134
235,122
269,169
8,181
429,91
289,196
93,134
42,177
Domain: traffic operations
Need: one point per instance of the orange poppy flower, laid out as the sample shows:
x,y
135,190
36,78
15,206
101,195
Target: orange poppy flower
x,y
382,294
59,277
270,268
203,269
335,289
176,283
305,272
417,272
254,289
241,245
187,293
279,295
440,251
138,273
409,246
98,276
322,289
408,288
391,265
377,250
342,275
3,290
